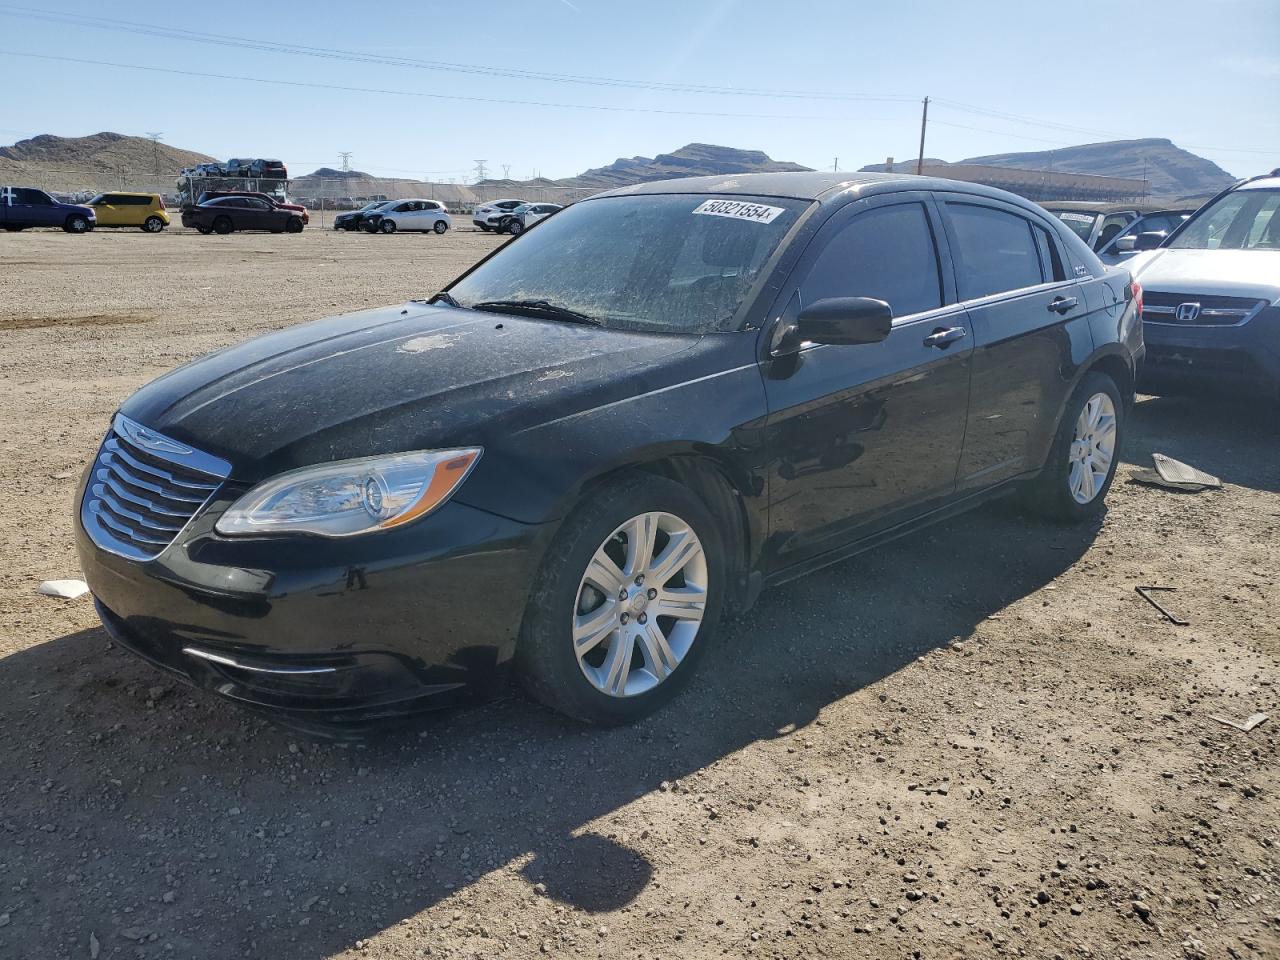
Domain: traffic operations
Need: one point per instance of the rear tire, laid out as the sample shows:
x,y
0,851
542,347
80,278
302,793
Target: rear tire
x,y
440,226
580,639
153,225
77,224
387,226
1082,463
222,225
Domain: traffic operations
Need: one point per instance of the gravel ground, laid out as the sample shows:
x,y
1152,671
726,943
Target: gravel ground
x,y
975,742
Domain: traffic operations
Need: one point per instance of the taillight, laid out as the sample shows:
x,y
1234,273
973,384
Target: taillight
x,y
162,206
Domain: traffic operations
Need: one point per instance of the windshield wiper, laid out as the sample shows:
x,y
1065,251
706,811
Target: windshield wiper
x,y
538,308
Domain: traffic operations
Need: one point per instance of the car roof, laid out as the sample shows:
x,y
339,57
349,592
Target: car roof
x,y
1261,183
819,186
1087,206
127,193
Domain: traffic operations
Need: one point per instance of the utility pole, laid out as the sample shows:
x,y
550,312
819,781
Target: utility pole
x,y
924,120
155,149
835,165
481,171
346,160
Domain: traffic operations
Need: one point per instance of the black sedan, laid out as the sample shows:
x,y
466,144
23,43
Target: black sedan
x,y
355,219
606,437
238,212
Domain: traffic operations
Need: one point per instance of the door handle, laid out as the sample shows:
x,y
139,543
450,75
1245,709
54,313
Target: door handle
x,y
1063,304
944,337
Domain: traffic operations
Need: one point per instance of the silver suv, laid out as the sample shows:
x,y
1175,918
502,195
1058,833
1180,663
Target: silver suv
x,y
1212,293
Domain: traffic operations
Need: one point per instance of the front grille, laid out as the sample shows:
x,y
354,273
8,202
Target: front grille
x,y
1198,310
144,488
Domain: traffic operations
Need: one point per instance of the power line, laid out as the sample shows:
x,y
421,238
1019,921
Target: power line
x,y
332,53
410,93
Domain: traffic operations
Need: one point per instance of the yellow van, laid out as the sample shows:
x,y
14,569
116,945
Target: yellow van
x,y
145,210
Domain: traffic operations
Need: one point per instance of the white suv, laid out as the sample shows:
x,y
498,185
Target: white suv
x,y
487,215
420,215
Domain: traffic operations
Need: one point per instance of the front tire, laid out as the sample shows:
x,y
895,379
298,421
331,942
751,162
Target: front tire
x,y
1082,462
76,224
515,228
626,603
388,226
205,230
153,225
440,226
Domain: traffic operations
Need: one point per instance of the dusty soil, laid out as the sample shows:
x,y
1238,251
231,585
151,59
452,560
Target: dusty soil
x,y
976,742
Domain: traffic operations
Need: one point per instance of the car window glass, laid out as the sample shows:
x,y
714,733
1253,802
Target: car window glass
x,y
994,251
1265,231
679,263
1241,219
886,253
1081,223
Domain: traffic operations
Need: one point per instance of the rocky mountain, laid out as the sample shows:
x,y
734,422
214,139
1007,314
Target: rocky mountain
x,y
93,162
1171,172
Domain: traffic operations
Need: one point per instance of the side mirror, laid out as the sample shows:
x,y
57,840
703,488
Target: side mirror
x,y
845,320
1125,244
1149,240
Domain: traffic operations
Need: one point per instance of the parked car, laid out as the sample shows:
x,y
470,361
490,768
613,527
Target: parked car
x,y
354,219
1163,222
604,438
268,170
1097,224
487,215
226,214
525,216
143,210
297,208
1212,313
417,215
23,207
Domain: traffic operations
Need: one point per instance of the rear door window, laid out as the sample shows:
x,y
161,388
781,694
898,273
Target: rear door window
x,y
995,251
886,253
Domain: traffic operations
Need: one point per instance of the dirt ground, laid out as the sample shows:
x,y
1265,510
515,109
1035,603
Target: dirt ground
x,y
975,742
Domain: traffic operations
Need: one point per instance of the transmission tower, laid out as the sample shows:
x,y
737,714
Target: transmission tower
x,y
506,171
482,171
155,149
346,160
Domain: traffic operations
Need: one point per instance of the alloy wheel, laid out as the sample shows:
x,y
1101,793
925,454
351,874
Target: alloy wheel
x,y
640,604
1093,448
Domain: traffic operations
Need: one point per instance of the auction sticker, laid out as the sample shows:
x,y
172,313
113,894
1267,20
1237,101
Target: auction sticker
x,y
740,210
1077,217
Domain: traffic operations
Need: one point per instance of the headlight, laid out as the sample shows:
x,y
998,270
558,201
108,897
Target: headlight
x,y
351,496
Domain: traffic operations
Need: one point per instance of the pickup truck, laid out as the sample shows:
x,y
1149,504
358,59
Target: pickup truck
x,y
22,207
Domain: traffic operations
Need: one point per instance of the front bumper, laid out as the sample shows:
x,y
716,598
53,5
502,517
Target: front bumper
x,y
326,631
1244,357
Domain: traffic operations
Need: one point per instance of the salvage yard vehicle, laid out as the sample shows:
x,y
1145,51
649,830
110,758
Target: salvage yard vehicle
x,y
1212,313
239,212
487,215
1157,225
24,207
354,219
608,435
143,210
525,216
424,216
1097,224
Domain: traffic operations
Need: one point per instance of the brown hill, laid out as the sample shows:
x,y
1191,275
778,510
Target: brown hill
x,y
103,161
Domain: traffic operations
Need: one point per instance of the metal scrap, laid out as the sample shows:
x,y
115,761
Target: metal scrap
x,y
1252,721
1145,594
1176,475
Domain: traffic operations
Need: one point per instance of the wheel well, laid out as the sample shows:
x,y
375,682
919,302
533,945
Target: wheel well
x,y
711,482
1119,371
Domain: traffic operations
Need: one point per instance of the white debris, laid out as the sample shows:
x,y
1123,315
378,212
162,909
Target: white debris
x,y
66,589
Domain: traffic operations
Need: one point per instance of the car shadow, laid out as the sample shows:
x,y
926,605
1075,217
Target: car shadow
x,y
1229,437
139,810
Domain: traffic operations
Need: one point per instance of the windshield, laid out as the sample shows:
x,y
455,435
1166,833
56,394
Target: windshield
x,y
678,263
1242,220
97,200
1081,223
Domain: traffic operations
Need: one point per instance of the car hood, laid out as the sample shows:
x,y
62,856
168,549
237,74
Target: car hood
x,y
410,377
1235,273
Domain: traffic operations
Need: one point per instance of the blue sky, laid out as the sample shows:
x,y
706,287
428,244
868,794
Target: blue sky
x,y
1205,73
